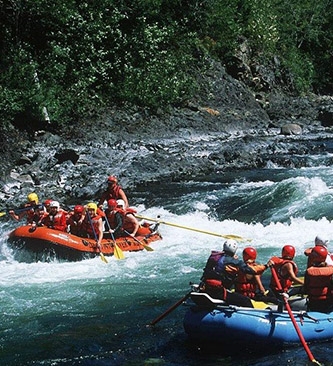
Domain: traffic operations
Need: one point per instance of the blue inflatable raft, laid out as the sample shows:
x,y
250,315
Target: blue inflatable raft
x,y
211,320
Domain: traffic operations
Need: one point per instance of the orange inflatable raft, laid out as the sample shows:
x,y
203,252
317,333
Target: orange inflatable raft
x,y
44,244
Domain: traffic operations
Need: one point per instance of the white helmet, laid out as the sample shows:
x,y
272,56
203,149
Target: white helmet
x,y
55,204
230,246
321,241
121,203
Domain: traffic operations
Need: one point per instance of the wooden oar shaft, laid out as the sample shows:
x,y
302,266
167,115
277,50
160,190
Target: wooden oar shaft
x,y
227,236
291,315
173,307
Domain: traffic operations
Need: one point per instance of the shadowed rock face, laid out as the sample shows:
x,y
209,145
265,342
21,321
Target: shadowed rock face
x,y
225,129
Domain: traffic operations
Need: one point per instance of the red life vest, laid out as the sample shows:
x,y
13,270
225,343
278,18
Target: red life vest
x,y
57,221
318,283
91,227
246,284
127,224
112,193
285,281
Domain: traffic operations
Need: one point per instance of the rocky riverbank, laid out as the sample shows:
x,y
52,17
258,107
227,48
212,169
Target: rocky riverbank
x,y
228,127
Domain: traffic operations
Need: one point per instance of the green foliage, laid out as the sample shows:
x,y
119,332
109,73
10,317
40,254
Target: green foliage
x,y
91,54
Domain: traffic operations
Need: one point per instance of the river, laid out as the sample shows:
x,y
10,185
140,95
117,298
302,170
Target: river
x,y
93,313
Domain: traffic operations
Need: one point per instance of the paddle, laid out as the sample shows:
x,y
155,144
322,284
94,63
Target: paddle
x,y
118,253
229,236
16,210
173,307
95,235
147,247
291,315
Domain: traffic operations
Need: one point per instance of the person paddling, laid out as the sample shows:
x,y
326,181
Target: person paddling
x,y
319,241
318,281
221,272
28,210
286,271
113,191
250,285
92,225
114,220
56,218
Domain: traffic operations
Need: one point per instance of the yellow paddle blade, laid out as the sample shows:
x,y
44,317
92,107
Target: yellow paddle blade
x,y
103,257
3,214
118,253
259,304
147,247
228,236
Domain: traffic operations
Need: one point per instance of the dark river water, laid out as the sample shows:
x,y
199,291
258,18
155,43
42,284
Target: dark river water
x,y
92,313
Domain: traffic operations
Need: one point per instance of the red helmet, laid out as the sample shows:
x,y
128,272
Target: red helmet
x,y
318,254
112,179
112,203
47,202
78,209
249,253
288,252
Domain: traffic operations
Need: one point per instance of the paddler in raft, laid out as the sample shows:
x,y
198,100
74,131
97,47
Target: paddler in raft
x,y
318,281
28,209
113,220
286,270
250,285
56,218
319,241
113,191
221,272
131,226
92,225
75,220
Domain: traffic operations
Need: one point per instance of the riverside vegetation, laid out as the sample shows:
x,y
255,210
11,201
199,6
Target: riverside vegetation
x,y
91,87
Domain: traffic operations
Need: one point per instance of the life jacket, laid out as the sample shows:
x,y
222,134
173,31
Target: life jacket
x,y
91,228
285,280
111,194
308,251
246,284
57,221
318,282
127,224
211,264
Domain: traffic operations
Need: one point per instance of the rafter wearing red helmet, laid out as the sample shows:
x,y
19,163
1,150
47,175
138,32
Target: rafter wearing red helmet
x,y
318,281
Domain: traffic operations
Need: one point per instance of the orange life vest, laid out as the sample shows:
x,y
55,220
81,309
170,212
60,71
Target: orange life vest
x,y
57,221
127,224
91,228
285,281
246,284
318,283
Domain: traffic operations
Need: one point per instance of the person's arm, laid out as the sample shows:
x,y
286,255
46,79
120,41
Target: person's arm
x,y
290,270
135,222
245,268
100,233
13,215
123,197
259,283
